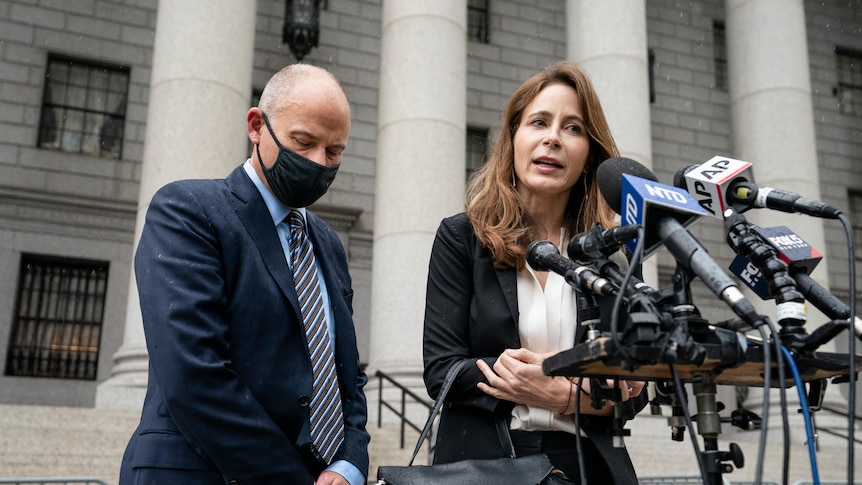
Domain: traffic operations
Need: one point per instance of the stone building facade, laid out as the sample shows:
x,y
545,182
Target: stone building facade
x,y
143,92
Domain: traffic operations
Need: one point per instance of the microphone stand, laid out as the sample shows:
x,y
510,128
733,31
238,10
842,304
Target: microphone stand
x,y
664,327
644,337
687,317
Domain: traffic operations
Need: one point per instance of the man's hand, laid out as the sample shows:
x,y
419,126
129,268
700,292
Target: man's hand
x,y
331,478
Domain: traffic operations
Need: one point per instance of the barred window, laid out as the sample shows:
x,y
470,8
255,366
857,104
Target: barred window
x,y
477,21
849,88
719,50
58,318
651,74
855,202
83,108
477,142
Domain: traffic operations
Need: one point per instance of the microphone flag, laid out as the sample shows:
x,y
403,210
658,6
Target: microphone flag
x,y
708,182
647,201
791,248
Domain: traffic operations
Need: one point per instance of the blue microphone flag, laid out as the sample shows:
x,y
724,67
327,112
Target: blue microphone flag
x,y
646,201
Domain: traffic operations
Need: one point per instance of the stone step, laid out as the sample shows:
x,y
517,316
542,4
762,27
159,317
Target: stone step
x,y
45,441
385,448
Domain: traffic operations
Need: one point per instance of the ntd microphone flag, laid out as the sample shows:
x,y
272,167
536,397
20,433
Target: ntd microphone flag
x,y
646,201
708,183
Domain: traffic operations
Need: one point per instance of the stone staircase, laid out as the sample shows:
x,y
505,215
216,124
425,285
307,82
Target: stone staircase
x,y
46,441
385,448
49,441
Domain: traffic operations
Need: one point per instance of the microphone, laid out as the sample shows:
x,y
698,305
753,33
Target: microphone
x,y
792,249
544,256
667,204
801,258
724,182
587,247
614,268
825,301
709,182
625,182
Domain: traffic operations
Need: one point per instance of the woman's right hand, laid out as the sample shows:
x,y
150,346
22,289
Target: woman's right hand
x,y
517,376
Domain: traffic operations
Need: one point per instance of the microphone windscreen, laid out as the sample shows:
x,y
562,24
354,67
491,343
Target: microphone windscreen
x,y
619,258
679,176
538,253
609,176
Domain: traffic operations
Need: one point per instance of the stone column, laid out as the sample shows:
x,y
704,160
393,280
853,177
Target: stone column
x,y
771,106
419,181
773,128
609,40
772,116
200,90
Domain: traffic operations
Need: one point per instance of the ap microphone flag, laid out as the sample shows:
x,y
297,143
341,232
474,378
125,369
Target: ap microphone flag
x,y
708,183
645,201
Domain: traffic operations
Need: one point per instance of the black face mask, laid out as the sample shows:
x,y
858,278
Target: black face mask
x,y
295,180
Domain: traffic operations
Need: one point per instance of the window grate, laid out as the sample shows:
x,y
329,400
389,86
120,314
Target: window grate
x,y
719,50
58,318
651,73
477,21
854,200
83,108
477,142
849,88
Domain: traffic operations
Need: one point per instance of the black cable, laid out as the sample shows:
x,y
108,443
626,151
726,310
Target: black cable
x,y
851,399
767,377
581,465
688,424
782,394
618,301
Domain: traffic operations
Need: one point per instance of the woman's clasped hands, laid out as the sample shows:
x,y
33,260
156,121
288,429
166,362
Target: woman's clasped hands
x,y
517,376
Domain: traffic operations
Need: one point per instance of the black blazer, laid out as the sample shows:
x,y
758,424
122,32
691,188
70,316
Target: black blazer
x,y
229,372
471,312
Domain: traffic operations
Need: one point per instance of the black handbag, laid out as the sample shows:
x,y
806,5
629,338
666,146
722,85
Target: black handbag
x,y
511,470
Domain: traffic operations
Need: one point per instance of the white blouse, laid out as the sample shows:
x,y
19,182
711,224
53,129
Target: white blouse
x,y
547,321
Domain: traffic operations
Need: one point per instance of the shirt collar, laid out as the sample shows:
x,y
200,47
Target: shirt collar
x,y
277,210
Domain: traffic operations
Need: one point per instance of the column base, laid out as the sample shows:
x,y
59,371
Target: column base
x,y
128,385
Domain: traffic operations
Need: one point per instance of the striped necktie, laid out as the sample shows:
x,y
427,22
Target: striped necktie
x,y
327,426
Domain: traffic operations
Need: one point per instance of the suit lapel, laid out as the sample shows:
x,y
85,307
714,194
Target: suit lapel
x,y
483,264
508,279
322,250
252,211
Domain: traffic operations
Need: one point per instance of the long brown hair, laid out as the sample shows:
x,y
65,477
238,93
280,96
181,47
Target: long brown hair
x,y
493,205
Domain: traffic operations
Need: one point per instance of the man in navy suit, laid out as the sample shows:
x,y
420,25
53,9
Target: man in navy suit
x,y
230,378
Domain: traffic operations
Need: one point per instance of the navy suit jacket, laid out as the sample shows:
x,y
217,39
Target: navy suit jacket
x,y
471,312
230,379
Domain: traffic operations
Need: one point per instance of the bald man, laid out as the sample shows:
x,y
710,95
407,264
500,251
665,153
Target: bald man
x,y
241,389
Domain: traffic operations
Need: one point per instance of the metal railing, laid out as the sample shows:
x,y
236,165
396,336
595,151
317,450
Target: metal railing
x,y
402,412
53,481
840,432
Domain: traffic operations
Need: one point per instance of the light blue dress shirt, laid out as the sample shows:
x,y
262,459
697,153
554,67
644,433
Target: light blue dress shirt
x,y
278,212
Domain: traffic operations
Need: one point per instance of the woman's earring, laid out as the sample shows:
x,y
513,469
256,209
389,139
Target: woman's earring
x,y
514,182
